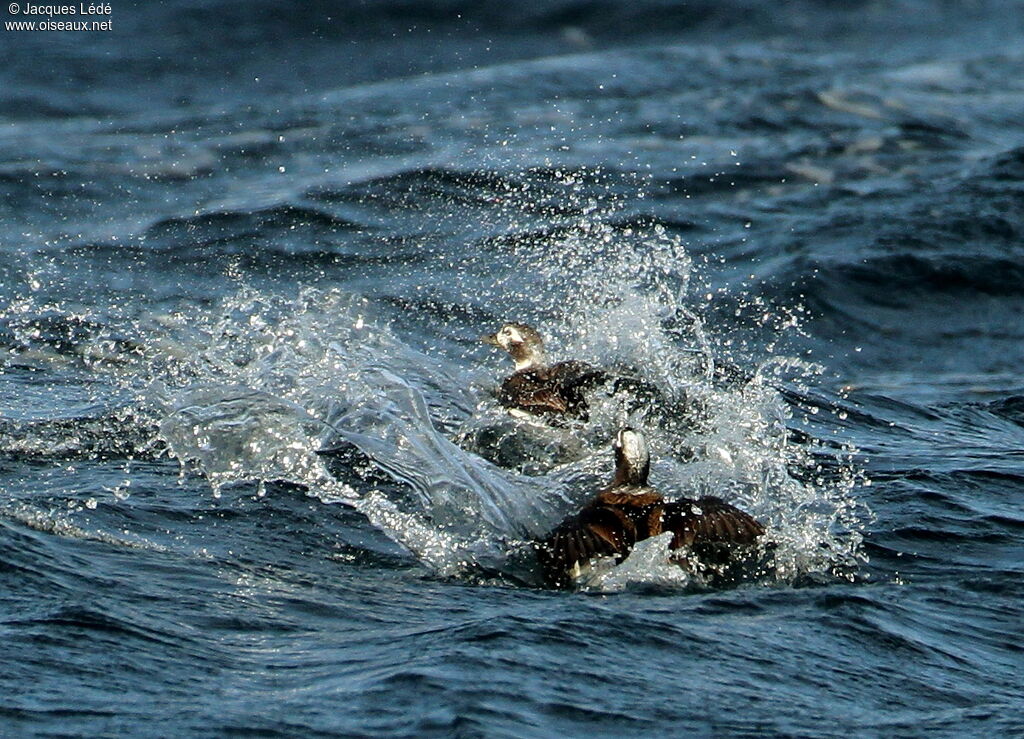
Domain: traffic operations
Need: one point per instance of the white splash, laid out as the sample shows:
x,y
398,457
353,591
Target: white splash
x,y
254,389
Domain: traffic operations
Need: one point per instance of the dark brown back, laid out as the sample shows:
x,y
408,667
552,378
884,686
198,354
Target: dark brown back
x,y
558,389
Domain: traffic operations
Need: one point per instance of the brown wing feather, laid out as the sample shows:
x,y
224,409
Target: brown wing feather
x,y
531,392
556,389
576,376
545,399
597,531
709,520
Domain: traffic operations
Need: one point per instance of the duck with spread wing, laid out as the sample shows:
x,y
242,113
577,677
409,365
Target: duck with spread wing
x,y
708,534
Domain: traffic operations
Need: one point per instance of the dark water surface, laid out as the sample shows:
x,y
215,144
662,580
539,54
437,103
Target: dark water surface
x,y
234,234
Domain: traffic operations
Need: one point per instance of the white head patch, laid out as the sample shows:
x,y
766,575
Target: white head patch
x,y
634,447
509,335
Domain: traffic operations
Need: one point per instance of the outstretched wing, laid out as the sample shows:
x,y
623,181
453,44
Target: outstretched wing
x,y
595,532
710,520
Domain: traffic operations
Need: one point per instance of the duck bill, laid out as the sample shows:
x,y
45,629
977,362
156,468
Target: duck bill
x,y
491,339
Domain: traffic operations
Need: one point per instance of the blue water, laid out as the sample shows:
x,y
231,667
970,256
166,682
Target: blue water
x,y
237,235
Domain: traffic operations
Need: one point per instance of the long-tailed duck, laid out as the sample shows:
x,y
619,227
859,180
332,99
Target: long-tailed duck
x,y
709,534
539,388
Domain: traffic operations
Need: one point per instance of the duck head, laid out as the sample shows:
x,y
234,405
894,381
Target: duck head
x,y
632,460
523,343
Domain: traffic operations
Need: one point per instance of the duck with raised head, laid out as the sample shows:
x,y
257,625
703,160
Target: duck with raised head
x,y
709,534
539,388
